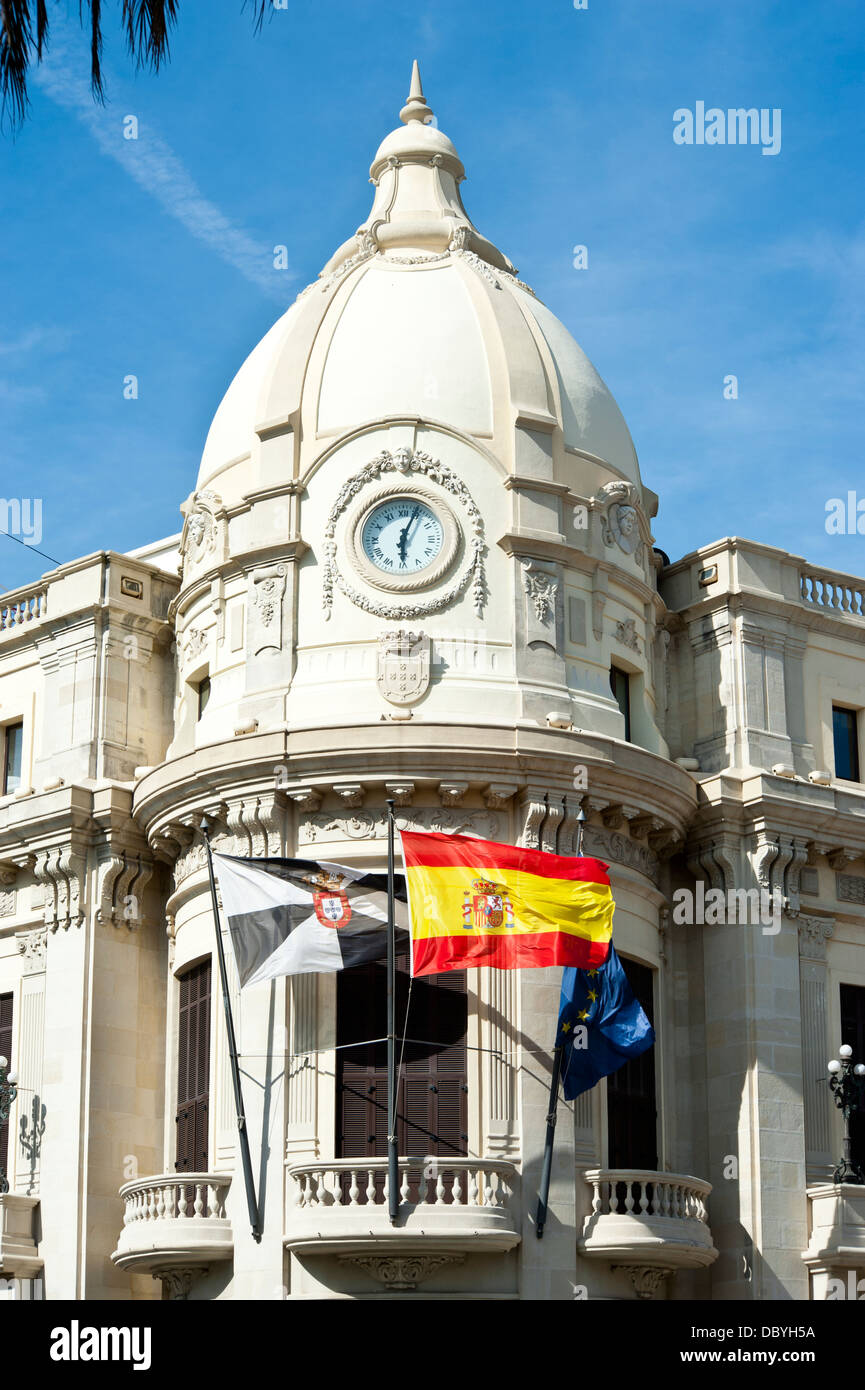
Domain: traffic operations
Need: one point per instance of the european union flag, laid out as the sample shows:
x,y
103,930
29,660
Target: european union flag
x,y
601,1024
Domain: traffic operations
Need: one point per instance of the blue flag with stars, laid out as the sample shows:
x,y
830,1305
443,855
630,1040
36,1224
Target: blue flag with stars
x,y
601,1024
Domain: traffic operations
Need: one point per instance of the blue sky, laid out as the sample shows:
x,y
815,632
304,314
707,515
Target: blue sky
x,y
154,257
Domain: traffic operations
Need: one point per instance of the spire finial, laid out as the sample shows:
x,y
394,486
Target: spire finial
x,y
415,108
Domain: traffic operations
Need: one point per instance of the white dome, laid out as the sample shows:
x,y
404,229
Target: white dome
x,y
418,315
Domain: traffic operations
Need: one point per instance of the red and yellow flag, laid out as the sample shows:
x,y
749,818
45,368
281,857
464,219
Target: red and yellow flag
x,y
476,902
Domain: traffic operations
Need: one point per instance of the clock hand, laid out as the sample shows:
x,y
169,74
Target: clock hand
x,y
402,543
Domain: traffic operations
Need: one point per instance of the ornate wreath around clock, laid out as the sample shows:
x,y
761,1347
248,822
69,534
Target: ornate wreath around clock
x,y
402,535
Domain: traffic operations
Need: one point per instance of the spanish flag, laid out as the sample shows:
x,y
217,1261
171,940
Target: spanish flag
x,y
476,902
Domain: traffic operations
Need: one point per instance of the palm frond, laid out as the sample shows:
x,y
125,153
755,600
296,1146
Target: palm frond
x,y
16,41
259,10
147,24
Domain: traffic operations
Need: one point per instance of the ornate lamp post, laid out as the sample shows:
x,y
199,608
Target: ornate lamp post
x,y
8,1092
847,1084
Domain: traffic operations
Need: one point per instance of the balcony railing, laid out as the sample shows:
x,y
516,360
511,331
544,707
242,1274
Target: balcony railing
x,y
446,1204
21,606
174,1219
647,1219
833,591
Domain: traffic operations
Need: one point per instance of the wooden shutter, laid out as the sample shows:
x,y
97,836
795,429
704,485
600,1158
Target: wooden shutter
x,y
5,1051
432,1106
193,1069
632,1122
853,1033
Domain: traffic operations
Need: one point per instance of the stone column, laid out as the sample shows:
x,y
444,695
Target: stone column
x,y
29,1061
814,932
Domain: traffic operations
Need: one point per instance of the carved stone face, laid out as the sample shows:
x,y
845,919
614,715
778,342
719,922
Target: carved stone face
x,y
627,520
196,528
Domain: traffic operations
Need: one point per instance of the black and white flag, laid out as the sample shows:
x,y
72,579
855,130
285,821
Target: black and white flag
x,y
298,917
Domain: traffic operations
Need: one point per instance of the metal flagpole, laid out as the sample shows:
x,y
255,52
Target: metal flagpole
x,y
547,1168
392,1149
251,1200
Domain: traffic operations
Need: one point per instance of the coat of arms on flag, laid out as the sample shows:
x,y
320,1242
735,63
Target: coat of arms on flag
x,y
330,900
487,906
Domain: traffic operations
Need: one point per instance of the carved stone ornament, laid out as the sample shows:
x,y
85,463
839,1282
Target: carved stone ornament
x,y
266,591
626,633
191,645
403,666
407,463
319,828
646,1279
177,1281
401,1271
850,888
814,932
620,520
622,850
7,902
33,946
204,519
541,589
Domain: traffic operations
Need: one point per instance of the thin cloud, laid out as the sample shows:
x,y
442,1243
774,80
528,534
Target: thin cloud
x,y
156,168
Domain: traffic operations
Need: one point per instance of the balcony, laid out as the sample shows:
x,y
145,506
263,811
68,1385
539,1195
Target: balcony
x,y
650,1224
836,1250
448,1206
174,1222
19,1257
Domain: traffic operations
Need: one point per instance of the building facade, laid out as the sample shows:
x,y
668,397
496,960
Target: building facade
x,y
418,563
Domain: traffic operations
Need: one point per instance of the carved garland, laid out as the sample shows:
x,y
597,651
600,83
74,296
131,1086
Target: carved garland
x,y
406,462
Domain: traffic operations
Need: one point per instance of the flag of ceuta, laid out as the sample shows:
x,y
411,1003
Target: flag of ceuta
x,y
476,902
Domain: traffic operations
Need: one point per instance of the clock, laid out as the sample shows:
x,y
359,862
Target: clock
x,y
404,537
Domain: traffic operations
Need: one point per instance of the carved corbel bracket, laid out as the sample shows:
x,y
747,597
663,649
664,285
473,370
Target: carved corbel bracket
x,y
498,795
646,1279
452,793
60,872
304,798
351,794
402,793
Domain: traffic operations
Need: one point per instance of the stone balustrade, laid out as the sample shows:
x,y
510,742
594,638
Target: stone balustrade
x,y
174,1219
832,590
21,606
461,1204
643,1218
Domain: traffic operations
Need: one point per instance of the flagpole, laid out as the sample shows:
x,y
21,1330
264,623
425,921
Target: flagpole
x,y
547,1168
251,1200
392,1149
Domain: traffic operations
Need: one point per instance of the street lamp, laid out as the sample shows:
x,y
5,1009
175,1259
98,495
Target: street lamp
x,y
8,1092
847,1084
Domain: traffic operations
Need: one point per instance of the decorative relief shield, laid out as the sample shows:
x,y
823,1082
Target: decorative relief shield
x,y
403,667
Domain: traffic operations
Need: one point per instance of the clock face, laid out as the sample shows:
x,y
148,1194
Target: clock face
x,y
402,536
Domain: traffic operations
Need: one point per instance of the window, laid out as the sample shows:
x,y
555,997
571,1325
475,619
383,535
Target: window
x,y
203,695
13,746
5,1051
432,1100
853,1033
632,1124
620,686
193,1069
846,743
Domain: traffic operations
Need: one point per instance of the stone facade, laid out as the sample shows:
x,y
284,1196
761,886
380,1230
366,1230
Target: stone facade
x,y
497,719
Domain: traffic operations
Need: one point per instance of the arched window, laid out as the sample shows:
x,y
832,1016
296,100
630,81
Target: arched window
x,y
193,1069
432,1110
632,1118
